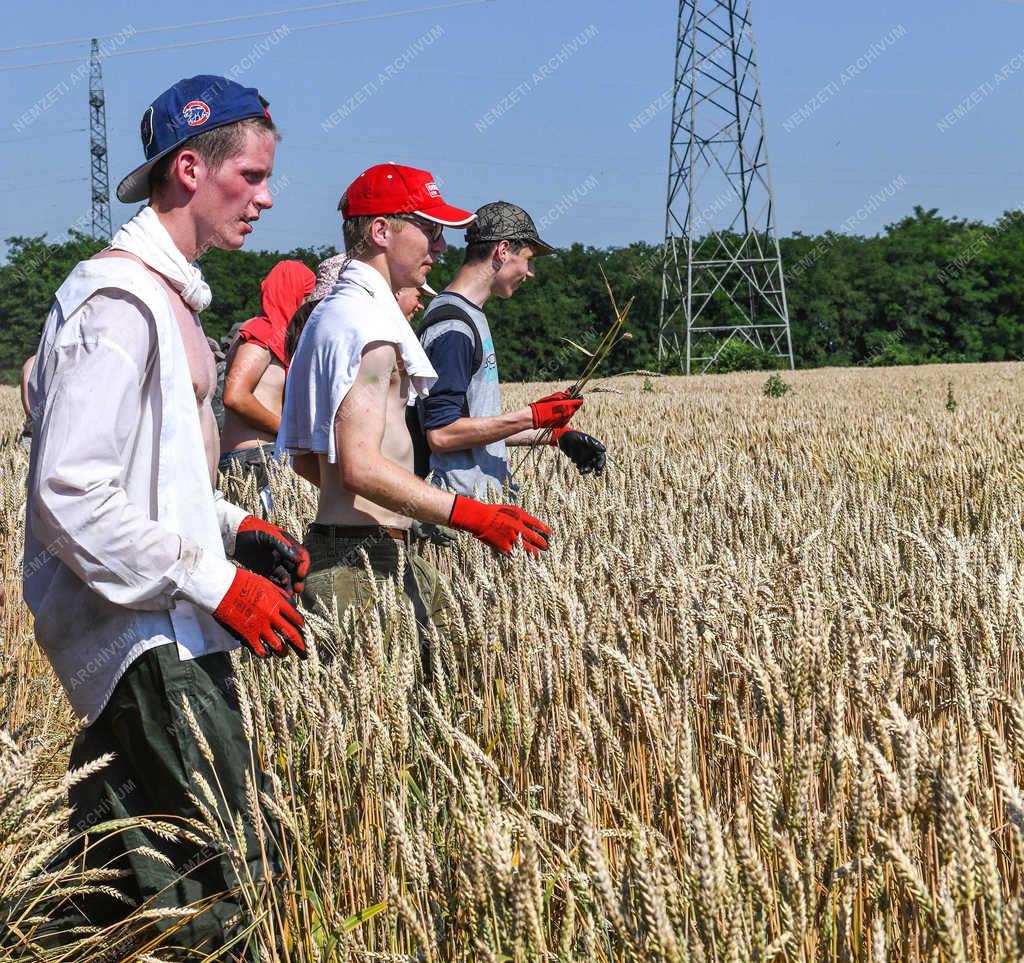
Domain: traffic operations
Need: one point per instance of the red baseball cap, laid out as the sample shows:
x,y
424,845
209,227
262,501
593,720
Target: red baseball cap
x,y
394,189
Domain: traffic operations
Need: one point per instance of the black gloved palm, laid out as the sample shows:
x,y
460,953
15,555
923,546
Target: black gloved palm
x,y
586,452
270,551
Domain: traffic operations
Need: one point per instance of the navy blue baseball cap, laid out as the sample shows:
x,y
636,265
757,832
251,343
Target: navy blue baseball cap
x,y
192,106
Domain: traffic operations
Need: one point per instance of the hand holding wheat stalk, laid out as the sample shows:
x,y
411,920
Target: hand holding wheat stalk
x,y
612,337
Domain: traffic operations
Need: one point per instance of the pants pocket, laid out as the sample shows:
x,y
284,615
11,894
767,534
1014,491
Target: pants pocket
x,y
343,584
318,591
428,580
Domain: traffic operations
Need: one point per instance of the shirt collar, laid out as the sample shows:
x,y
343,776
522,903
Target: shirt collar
x,y
369,279
360,274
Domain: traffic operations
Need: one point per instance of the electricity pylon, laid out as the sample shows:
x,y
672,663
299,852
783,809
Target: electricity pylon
x,y
722,275
98,148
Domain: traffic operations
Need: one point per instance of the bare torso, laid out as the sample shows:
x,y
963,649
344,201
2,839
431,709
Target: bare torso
x,y
202,365
341,507
269,392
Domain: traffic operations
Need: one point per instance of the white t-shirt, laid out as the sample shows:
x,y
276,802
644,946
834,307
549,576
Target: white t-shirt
x,y
360,310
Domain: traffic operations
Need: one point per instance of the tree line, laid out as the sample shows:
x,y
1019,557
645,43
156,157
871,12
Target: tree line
x,y
927,289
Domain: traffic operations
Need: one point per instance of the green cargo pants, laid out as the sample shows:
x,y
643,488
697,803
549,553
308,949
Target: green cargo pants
x,y
154,773
337,573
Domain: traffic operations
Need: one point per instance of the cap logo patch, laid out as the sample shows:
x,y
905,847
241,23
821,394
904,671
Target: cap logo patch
x,y
196,113
431,189
146,128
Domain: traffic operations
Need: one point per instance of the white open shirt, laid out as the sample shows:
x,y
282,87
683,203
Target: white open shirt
x,y
124,536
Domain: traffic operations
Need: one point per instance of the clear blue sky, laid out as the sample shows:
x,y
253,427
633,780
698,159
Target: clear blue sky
x,y
568,131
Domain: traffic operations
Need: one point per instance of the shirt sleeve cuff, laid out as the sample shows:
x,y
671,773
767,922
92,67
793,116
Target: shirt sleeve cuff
x,y
229,516
208,577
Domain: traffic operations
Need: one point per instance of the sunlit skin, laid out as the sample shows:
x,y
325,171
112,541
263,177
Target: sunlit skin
x,y
510,269
372,482
203,208
405,251
26,373
410,302
253,397
499,276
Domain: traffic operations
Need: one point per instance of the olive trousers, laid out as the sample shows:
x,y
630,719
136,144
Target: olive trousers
x,y
158,771
337,573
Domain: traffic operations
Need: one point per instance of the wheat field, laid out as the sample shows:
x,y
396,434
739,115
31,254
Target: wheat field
x,y
762,700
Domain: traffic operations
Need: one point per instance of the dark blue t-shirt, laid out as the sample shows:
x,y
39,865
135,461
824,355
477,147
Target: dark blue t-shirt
x,y
451,354
462,393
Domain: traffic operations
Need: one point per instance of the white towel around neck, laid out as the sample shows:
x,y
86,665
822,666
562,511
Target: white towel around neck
x,y
146,238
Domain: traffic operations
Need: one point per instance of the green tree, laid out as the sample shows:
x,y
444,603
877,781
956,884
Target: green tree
x,y
928,288
34,271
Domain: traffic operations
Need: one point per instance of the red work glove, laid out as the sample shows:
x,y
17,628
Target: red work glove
x,y
270,551
499,525
556,433
554,411
261,616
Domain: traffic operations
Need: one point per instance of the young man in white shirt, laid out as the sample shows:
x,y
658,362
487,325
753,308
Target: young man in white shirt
x,y
126,571
344,421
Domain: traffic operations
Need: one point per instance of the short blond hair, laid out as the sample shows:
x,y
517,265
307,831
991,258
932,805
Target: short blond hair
x,y
355,231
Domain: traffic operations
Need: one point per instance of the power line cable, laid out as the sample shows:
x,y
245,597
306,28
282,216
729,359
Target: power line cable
x,y
249,36
52,133
183,26
43,185
602,170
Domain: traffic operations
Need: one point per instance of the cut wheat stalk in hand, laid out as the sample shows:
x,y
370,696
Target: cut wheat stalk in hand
x,y
612,337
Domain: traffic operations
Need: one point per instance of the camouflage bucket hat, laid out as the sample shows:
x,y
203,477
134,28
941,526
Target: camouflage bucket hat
x,y
502,221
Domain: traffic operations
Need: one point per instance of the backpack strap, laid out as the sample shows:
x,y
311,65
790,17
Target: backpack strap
x,y
452,312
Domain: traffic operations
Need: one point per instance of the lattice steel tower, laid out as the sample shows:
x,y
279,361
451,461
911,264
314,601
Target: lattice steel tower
x,y
98,148
722,276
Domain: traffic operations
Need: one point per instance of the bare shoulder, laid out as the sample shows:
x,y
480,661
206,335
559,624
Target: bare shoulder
x,y
379,360
248,354
366,400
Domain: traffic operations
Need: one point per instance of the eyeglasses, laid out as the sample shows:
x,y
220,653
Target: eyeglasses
x,y
432,229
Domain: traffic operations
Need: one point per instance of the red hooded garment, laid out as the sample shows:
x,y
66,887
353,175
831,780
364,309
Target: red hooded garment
x,y
285,288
